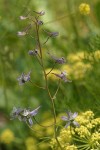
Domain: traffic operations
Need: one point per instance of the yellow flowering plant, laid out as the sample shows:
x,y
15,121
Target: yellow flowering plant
x,y
84,8
7,136
84,137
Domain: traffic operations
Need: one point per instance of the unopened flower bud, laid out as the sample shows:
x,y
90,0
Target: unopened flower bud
x,y
52,34
21,33
22,17
42,13
33,52
39,22
62,76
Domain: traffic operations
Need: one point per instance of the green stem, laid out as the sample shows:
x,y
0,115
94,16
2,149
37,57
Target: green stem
x,y
47,88
41,124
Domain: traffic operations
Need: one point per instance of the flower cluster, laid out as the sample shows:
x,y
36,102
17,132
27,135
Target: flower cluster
x,y
84,9
29,143
7,136
86,136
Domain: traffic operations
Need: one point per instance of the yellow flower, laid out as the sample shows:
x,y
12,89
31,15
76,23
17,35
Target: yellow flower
x,y
96,122
65,135
76,57
79,69
95,139
71,147
7,136
84,8
30,144
82,131
82,120
88,114
95,55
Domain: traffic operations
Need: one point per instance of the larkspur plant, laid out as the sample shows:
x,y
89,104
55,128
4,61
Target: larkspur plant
x,y
26,115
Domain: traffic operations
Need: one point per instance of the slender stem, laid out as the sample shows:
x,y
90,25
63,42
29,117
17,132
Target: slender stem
x,y
60,18
37,31
42,125
34,129
37,85
39,60
57,89
46,40
47,88
51,69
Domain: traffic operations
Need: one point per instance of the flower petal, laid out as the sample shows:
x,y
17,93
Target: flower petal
x,y
30,121
64,118
34,112
68,124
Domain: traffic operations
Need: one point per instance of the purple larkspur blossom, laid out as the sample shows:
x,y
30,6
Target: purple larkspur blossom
x,y
24,78
70,119
39,22
63,76
41,13
33,52
24,115
58,60
51,34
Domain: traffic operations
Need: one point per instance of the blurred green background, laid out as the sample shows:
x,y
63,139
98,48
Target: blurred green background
x,y
78,42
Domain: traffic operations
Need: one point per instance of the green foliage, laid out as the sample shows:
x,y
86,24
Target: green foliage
x,y
77,34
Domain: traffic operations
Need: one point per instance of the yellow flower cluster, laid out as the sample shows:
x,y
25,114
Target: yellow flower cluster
x,y
76,67
7,136
95,139
94,56
71,147
82,131
30,143
84,8
95,122
88,131
84,118
88,114
64,138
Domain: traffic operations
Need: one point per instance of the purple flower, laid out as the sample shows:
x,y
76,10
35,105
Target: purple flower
x,y
24,115
58,60
15,112
24,78
51,34
70,119
39,22
62,76
33,52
